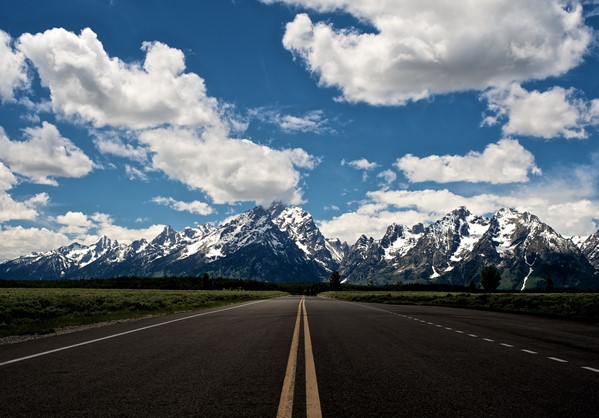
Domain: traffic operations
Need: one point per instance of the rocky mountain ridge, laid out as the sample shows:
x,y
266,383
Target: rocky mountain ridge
x,y
283,244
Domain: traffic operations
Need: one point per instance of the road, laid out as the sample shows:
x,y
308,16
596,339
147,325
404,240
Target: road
x,y
316,357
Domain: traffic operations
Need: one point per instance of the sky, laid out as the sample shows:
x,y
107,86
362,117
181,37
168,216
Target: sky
x,y
118,117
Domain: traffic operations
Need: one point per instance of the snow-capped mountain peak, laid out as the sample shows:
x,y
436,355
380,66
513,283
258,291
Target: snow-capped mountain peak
x,y
283,243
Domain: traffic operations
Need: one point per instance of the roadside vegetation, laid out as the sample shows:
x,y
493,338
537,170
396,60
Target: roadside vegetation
x,y
581,306
44,310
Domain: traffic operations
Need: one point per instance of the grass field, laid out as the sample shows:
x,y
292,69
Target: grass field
x,y
584,306
40,311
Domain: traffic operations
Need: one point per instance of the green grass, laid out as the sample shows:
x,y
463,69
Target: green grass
x,y
39,311
584,306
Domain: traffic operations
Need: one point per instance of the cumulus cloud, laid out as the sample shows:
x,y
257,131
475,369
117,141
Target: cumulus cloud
x,y
420,48
197,207
74,223
13,71
11,209
85,82
567,201
556,112
360,164
7,178
44,154
105,226
17,241
89,228
110,143
228,170
504,162
186,132
74,226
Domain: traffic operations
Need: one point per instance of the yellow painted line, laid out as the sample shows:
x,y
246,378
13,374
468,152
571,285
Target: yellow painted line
x,y
313,409
286,401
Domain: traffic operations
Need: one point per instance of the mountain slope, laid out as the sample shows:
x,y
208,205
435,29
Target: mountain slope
x,y
283,244
454,249
590,248
276,244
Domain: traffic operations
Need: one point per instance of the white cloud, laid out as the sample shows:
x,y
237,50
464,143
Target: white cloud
x,y
13,72
75,223
388,177
17,241
7,178
549,114
310,122
44,154
110,143
11,209
89,228
135,173
568,214
85,82
105,226
420,48
504,162
567,199
228,170
361,164
192,144
199,208
313,121
75,226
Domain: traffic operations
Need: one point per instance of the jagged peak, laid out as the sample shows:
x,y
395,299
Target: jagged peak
x,y
104,242
167,234
417,229
461,212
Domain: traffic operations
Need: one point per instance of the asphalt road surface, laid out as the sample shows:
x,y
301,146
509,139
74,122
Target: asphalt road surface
x,y
312,357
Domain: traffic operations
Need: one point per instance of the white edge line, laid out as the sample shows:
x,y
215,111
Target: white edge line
x,y
68,347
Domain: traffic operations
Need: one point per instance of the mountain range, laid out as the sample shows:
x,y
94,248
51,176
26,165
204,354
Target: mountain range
x,y
283,244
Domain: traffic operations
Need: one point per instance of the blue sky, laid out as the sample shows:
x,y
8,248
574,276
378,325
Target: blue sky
x,y
119,117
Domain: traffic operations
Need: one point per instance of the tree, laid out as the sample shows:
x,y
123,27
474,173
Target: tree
x,y
206,281
548,283
335,281
490,278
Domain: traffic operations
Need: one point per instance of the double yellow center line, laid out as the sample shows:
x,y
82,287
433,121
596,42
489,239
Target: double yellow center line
x,y
312,399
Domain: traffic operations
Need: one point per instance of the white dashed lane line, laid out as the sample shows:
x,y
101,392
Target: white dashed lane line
x,y
556,359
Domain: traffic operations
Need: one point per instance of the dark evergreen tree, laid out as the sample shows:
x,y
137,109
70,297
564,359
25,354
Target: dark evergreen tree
x,y
490,278
548,283
335,281
206,284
